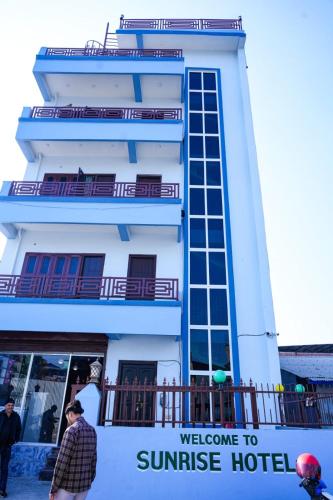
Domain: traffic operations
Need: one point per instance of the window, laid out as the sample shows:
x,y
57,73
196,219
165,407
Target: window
x,y
198,309
212,147
199,350
217,272
196,123
215,233
197,201
197,172
197,233
220,350
198,275
195,81
196,146
210,101
209,81
214,202
213,171
211,126
195,101
218,307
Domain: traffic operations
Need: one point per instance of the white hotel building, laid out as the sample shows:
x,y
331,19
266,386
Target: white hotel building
x,y
137,234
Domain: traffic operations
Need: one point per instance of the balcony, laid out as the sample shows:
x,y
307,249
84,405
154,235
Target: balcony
x,y
117,204
137,74
45,130
214,34
112,305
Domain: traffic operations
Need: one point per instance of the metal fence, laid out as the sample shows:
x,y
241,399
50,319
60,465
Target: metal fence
x,y
96,189
97,51
225,406
184,24
86,112
99,287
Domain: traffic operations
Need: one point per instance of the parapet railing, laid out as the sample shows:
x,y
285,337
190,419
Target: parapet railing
x,y
95,189
99,287
96,51
75,112
140,403
182,24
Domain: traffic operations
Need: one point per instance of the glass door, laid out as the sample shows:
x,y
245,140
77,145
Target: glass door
x,y
43,403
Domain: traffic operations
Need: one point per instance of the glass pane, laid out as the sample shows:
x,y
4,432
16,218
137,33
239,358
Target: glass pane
x,y
195,81
43,404
31,262
217,274
198,274
210,101
197,233
196,123
214,202
74,264
197,173
197,201
218,307
44,268
215,233
211,126
220,350
199,350
212,147
196,146
198,312
195,101
200,401
209,81
59,267
213,172
13,376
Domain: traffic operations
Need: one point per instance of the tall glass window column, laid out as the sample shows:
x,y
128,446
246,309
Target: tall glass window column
x,y
209,317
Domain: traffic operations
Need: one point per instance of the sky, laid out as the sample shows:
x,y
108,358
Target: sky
x,y
290,70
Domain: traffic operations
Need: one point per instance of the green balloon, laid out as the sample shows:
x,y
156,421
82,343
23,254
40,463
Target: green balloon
x,y
299,388
219,377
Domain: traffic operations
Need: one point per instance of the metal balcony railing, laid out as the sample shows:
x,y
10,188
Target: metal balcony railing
x,y
75,112
96,189
148,404
182,24
97,51
99,287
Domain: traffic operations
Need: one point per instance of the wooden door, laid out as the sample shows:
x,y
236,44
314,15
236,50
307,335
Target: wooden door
x,y
141,277
148,186
136,407
92,273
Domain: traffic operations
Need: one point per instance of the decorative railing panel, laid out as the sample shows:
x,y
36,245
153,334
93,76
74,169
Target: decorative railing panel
x,y
74,112
182,24
95,189
222,405
95,51
101,287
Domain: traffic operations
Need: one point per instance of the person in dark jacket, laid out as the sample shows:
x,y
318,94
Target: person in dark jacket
x,y
10,432
75,468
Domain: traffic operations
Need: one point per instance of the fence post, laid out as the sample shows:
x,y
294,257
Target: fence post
x,y
254,408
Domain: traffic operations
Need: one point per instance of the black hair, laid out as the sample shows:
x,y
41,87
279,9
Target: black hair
x,y
75,407
10,400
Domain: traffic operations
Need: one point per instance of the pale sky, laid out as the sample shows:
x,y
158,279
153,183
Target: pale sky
x,y
289,53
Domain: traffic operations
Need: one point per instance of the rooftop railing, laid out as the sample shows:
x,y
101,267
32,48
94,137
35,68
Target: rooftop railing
x,y
99,287
96,189
86,112
149,404
96,51
182,24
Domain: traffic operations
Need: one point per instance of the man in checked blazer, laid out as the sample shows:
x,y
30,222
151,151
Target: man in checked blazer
x,y
75,468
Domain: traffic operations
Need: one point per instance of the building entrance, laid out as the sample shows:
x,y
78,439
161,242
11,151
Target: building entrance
x,y
134,405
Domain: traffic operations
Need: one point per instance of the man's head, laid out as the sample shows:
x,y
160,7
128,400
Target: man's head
x,y
73,411
9,406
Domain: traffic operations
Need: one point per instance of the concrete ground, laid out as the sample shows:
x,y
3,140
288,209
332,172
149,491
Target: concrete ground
x,y
20,488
